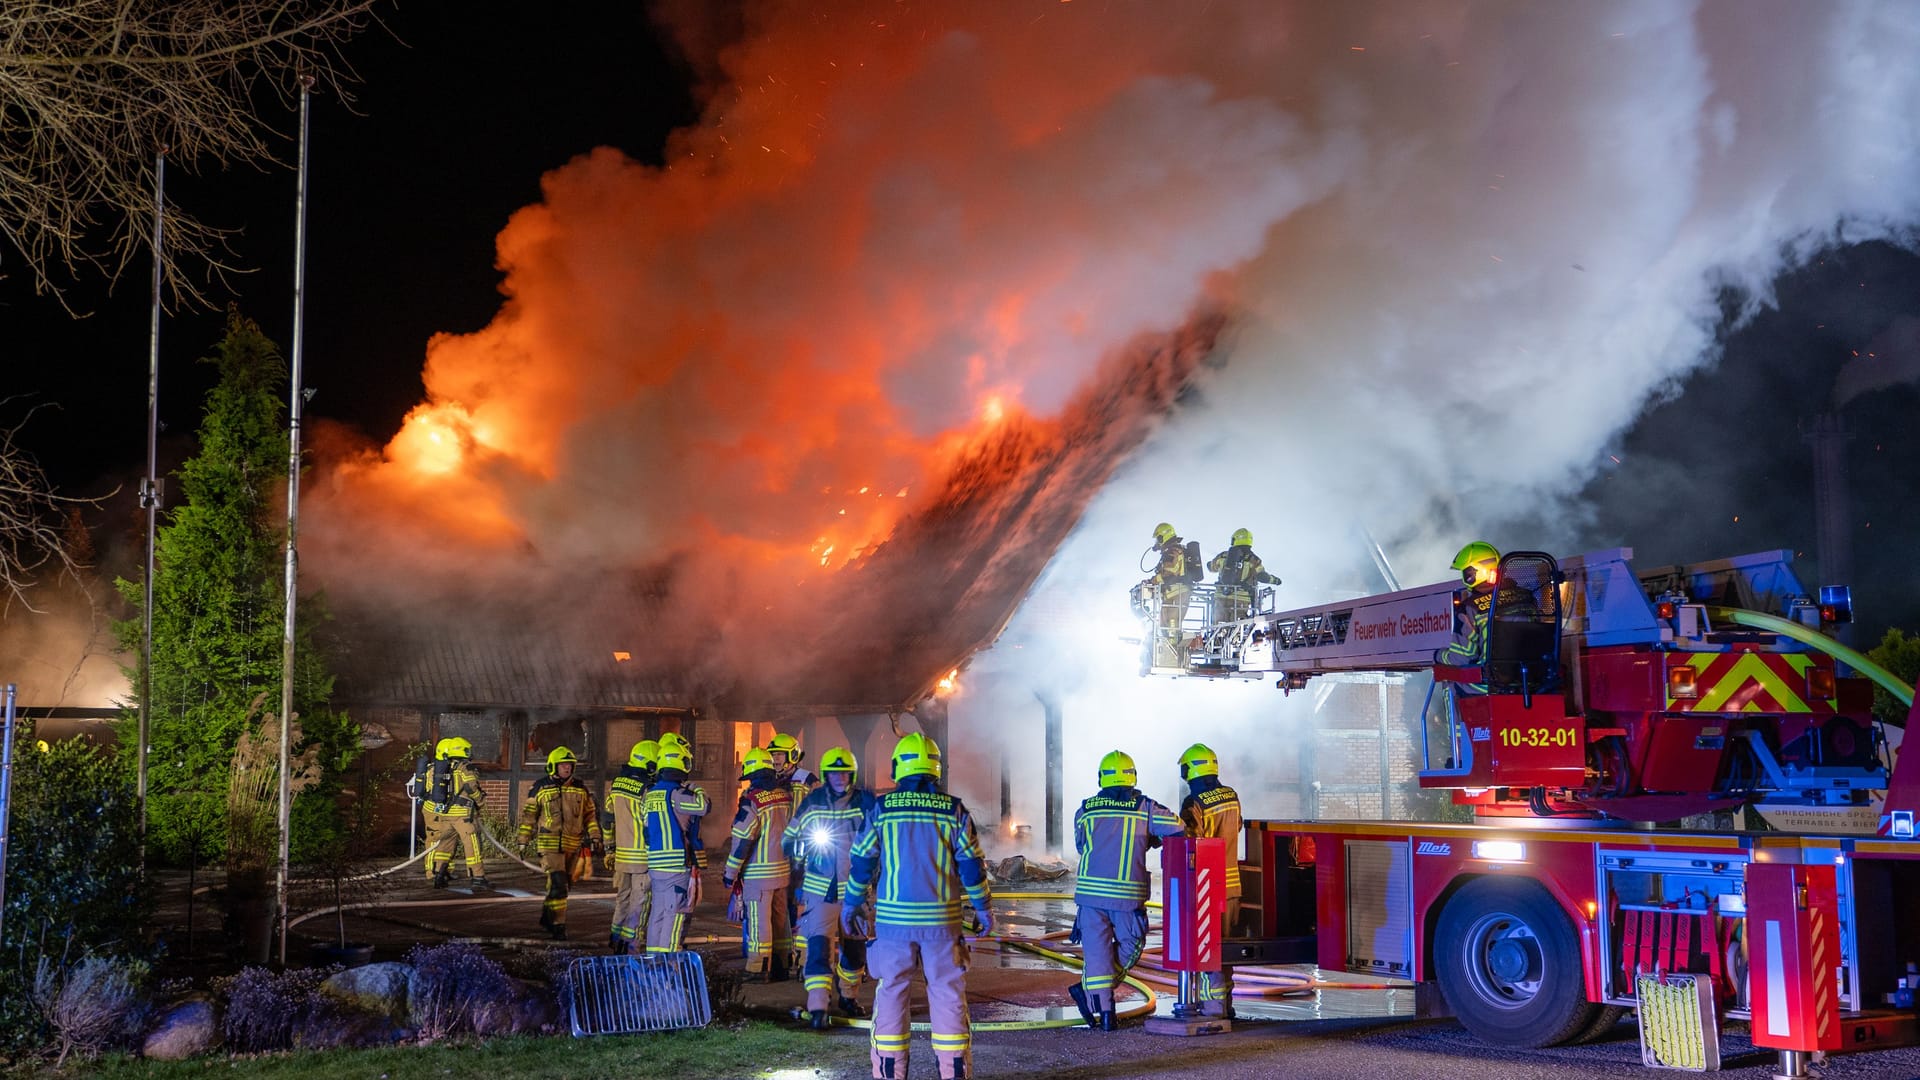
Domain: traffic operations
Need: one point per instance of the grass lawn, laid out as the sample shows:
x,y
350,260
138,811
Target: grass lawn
x,y
751,1049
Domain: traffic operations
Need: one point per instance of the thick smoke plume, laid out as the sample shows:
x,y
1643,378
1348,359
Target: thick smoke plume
x,y
1459,247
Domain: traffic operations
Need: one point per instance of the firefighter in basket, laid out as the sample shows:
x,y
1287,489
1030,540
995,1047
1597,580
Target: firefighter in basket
x,y
559,817
1481,591
1241,575
822,838
917,857
1112,831
1172,581
450,795
627,855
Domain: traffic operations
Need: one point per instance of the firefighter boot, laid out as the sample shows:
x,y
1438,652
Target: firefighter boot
x,y
850,1007
777,968
480,883
440,879
1080,1001
1107,1020
817,1019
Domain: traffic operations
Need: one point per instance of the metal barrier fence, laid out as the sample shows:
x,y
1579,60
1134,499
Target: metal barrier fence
x,y
617,995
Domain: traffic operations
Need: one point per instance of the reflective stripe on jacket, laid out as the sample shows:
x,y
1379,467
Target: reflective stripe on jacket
x,y
559,815
1213,809
627,800
759,830
918,855
1112,831
822,837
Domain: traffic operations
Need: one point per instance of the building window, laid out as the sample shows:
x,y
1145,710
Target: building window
x,y
487,733
544,736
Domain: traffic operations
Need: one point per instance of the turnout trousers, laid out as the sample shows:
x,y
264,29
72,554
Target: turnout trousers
x,y
671,898
835,964
942,960
769,934
632,903
447,833
1111,942
553,912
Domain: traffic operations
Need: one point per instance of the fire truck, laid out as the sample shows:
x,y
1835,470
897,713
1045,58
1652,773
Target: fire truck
x,y
1615,711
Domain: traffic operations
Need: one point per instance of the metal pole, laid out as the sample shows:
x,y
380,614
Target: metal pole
x,y
296,398
6,796
150,501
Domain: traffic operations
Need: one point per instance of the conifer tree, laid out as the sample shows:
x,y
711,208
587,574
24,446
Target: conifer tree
x,y
218,614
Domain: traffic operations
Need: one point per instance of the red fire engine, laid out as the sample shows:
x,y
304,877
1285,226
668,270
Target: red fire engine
x,y
1611,705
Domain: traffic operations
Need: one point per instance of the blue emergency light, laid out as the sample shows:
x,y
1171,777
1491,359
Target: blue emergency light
x,y
1836,604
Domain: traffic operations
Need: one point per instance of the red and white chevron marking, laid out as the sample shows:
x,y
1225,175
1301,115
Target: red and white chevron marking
x,y
1822,973
1209,925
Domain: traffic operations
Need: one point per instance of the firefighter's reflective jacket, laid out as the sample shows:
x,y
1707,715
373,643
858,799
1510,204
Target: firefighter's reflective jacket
x,y
1472,612
822,837
759,829
559,815
1113,831
627,799
1179,566
917,857
800,783
672,829
449,788
1240,569
1211,808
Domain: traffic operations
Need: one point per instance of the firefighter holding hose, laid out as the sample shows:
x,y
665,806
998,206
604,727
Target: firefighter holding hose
x,y
821,838
1112,831
558,817
916,857
1241,572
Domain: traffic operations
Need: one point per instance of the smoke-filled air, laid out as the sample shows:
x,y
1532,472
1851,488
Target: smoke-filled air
x,y
1454,250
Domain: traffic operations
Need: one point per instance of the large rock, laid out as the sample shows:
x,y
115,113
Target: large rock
x,y
380,989
183,1030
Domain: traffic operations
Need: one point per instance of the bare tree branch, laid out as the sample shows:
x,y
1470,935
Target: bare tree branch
x,y
91,90
36,534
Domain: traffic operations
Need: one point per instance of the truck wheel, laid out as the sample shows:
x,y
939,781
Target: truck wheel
x,y
1605,1019
1507,958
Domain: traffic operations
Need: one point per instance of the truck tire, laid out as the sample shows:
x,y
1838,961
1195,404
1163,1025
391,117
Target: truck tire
x,y
1508,960
1605,1019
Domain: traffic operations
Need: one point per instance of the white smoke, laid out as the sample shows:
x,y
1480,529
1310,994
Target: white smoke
x,y
1543,218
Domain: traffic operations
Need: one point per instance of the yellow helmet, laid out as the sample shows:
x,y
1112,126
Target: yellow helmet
x,y
916,754
557,756
675,755
645,755
1242,538
788,745
1116,770
1199,760
674,738
1163,532
1477,561
839,759
753,761
452,748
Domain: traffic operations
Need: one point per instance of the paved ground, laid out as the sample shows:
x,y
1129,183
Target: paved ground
x,y
1332,1033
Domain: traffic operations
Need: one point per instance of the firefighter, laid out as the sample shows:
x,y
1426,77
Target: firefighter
x,y
628,855
1211,808
1241,572
758,866
558,817
915,857
1482,590
1112,831
671,829
821,837
787,756
1178,569
449,791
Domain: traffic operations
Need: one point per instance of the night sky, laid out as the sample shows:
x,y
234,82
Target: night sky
x,y
464,106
